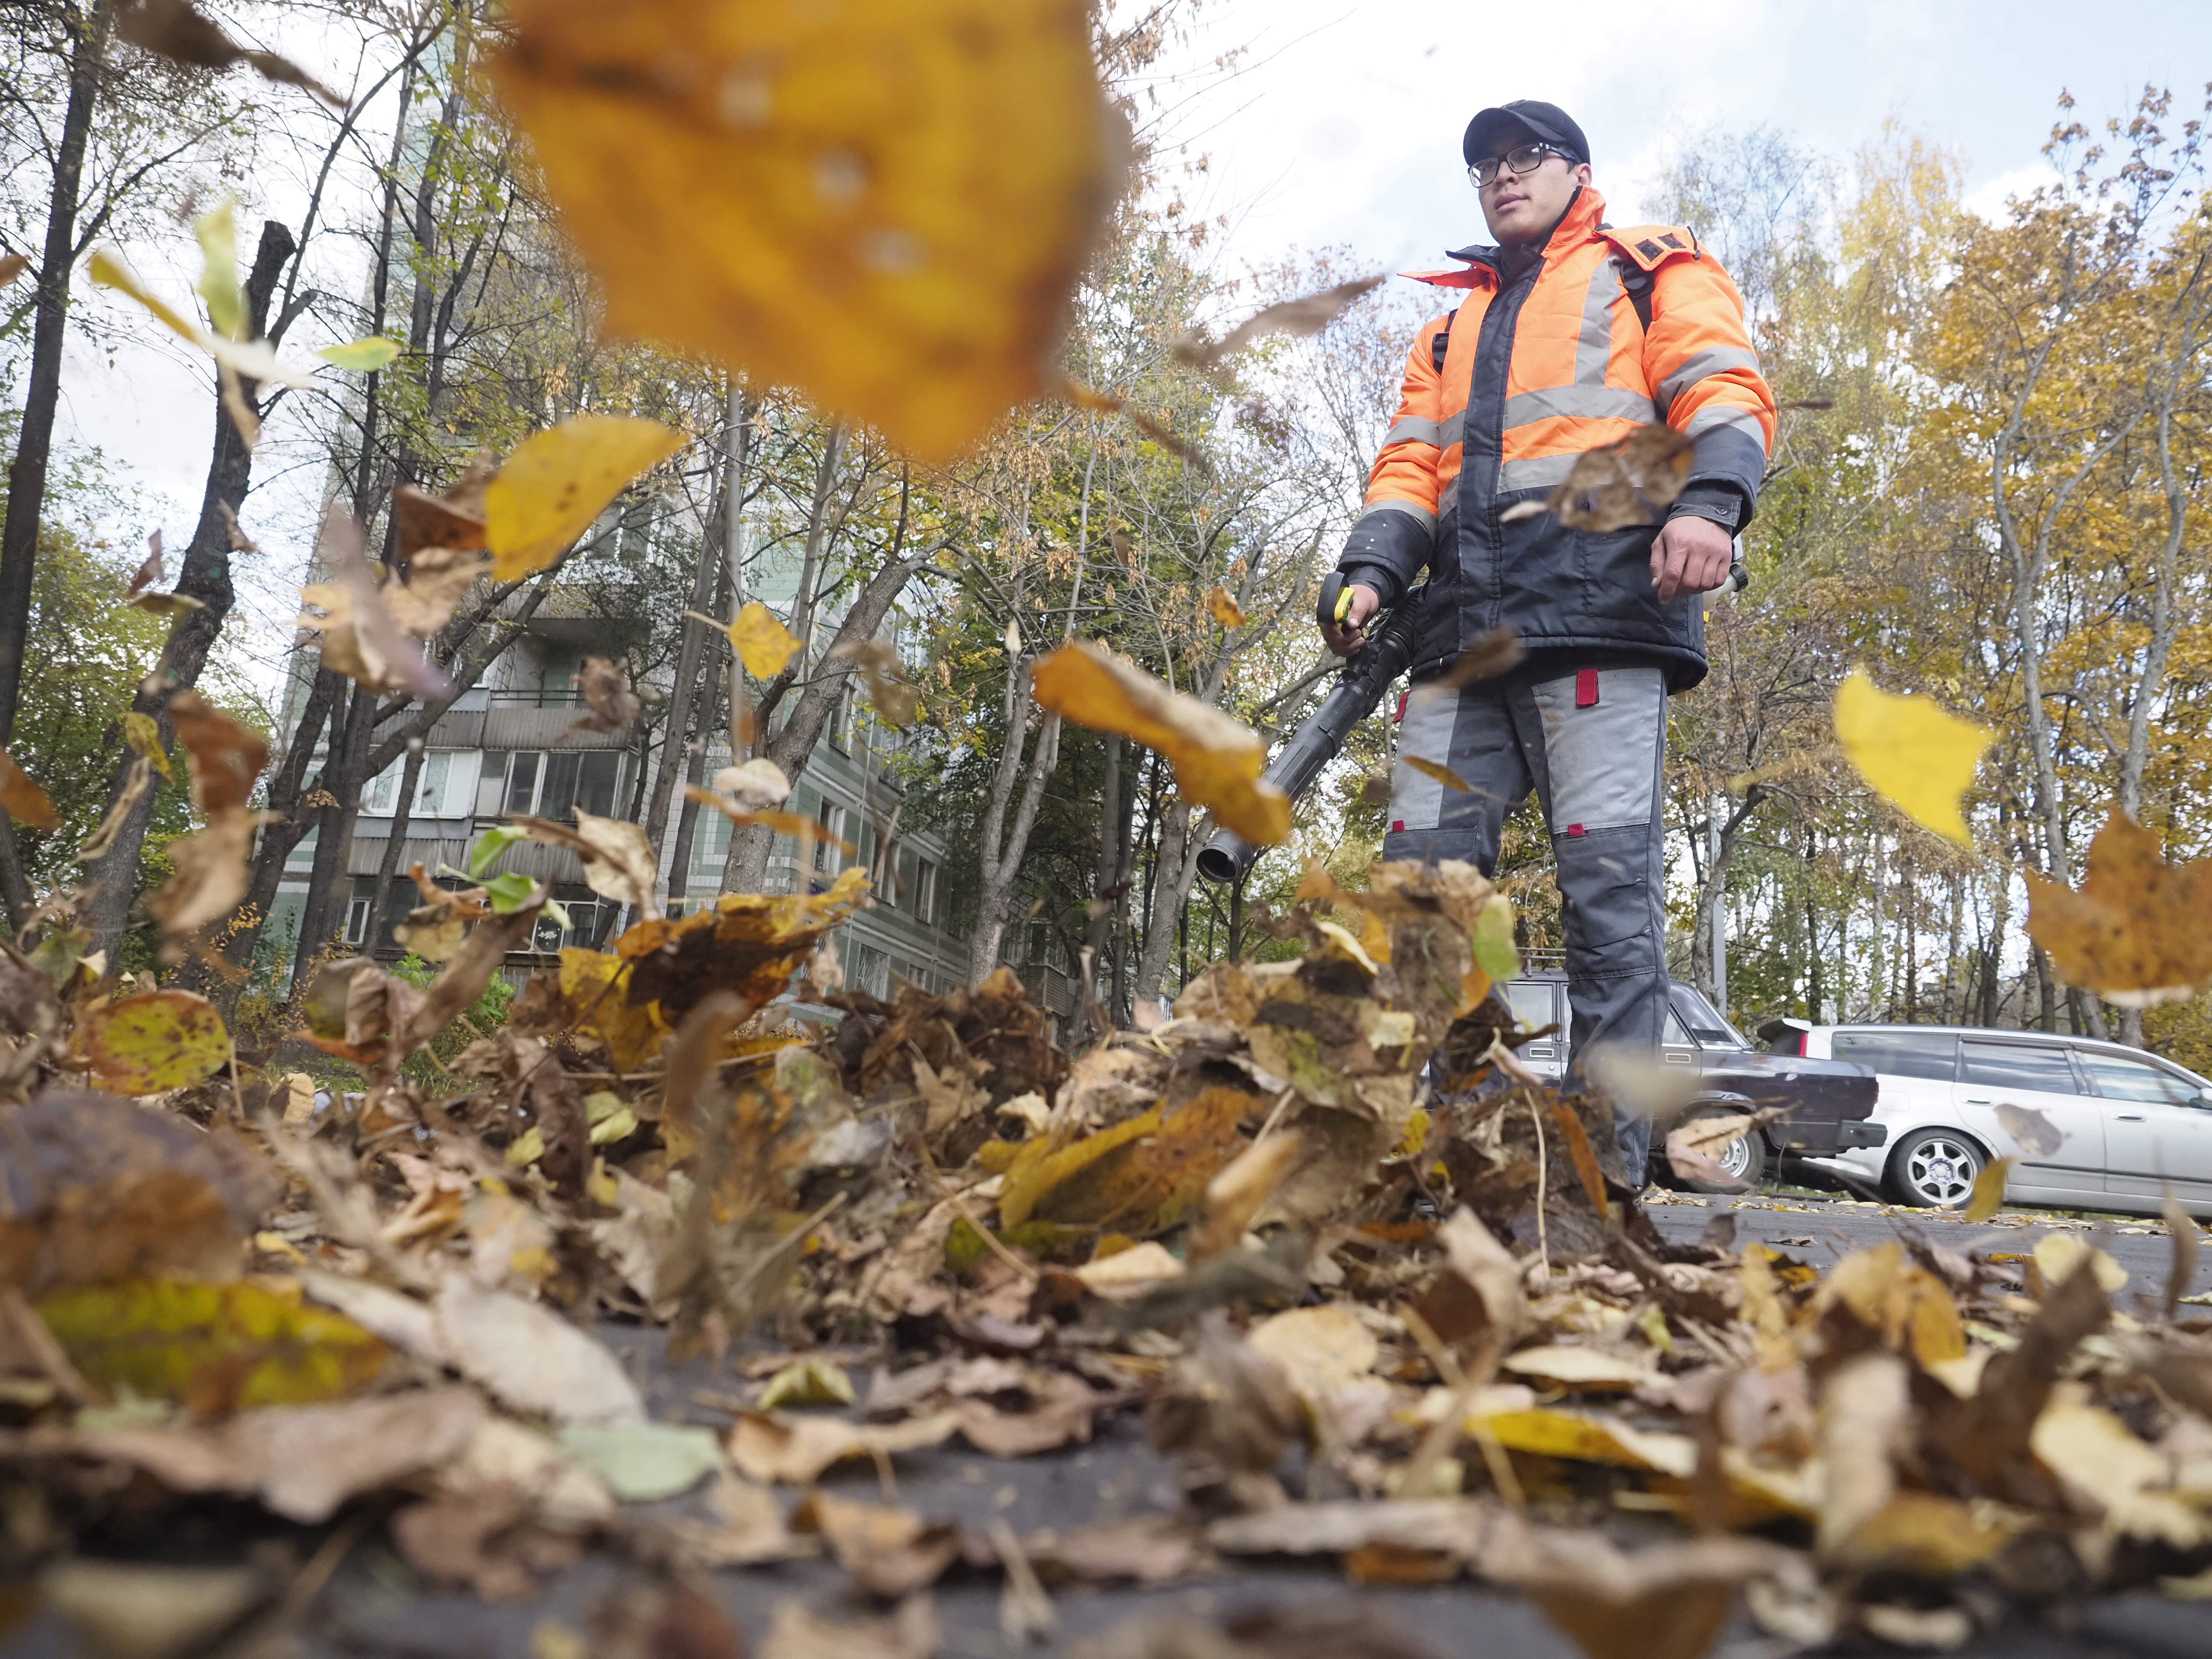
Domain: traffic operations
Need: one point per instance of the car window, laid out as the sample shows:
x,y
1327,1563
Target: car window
x,y
2017,1066
1707,1023
1677,1033
2116,1079
1900,1053
1531,1000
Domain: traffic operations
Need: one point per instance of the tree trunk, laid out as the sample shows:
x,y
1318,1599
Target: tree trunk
x,y
395,846
1107,887
1175,867
27,475
341,781
1001,846
110,881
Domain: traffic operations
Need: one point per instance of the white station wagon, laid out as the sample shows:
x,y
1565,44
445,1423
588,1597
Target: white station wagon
x,y
2130,1125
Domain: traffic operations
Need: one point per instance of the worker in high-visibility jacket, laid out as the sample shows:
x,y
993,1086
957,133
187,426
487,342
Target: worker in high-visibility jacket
x,y
1571,336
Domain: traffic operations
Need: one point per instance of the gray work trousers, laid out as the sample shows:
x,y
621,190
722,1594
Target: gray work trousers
x,y
1592,744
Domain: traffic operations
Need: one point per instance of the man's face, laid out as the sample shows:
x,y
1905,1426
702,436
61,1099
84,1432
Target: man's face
x,y
1519,207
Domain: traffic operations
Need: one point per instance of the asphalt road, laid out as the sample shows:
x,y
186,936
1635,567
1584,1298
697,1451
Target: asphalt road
x,y
376,1608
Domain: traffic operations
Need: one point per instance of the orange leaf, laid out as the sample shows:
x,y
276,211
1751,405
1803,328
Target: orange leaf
x,y
24,798
2140,929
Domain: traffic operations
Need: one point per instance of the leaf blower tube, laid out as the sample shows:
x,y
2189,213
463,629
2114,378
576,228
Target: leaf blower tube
x,y
1367,677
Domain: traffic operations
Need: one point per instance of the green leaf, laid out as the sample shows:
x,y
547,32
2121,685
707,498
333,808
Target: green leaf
x,y
156,1041
366,355
491,847
643,1462
1493,941
510,892
217,231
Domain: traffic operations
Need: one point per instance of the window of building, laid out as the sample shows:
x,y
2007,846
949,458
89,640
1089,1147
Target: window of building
x,y
840,723
491,784
556,784
381,794
1932,1055
925,890
522,781
356,921
827,859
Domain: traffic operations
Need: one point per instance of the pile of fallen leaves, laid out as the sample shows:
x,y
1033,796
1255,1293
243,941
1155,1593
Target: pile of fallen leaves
x,y
1409,1316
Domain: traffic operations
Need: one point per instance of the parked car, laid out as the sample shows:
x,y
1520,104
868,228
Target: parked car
x,y
1831,1100
2129,1124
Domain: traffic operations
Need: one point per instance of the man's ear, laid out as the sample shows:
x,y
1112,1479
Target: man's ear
x,y
1581,175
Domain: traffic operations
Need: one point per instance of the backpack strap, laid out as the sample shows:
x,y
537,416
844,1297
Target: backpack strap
x,y
1639,251
1440,342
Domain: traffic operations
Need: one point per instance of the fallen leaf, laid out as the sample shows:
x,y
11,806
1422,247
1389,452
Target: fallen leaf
x,y
557,482
531,1360
137,1610
1228,1413
812,1381
2182,1228
1322,1351
1217,762
303,1461
1308,313
159,1040
1914,754
1225,610
762,643
1632,481
795,1451
1987,1195
2135,932
1129,1274
748,943
143,733
1436,770
1583,1368
618,860
939,168
13,265
1239,1190
212,1348
175,30
642,1462
798,1633
365,356
1865,1427
23,799
889,1551
2059,1256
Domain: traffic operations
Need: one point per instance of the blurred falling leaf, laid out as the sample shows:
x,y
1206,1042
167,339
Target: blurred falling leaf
x,y
176,31
24,799
255,360
1225,610
1142,1175
365,356
1216,761
1493,652
216,232
1238,1191
2139,931
1308,313
893,695
1013,637
748,943
1914,754
149,570
139,1610
208,865
227,754
618,861
491,846
604,686
531,1360
1632,480
764,644
1436,770
758,786
937,166
143,733
363,639
556,484
592,983
1106,403
159,1040
1987,1195
13,265
2181,1227
214,1348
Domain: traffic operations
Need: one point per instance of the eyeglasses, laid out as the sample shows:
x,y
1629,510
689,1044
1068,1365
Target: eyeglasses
x,y
1526,158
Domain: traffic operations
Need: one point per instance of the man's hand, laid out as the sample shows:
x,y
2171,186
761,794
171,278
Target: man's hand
x,y
1347,636
1691,555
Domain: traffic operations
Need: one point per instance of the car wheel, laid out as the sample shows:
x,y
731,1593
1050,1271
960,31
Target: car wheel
x,y
1744,1157
1935,1170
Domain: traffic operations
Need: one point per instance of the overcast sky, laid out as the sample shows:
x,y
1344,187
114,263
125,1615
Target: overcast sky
x,y
1343,127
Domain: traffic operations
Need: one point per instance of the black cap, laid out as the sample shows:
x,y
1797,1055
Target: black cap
x,y
1546,121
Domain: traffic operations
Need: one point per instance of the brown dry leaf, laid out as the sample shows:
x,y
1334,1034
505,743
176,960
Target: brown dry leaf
x,y
531,1360
227,754
1497,652
893,695
1669,1601
94,1189
618,860
798,1632
1159,432
2039,1137
775,1449
1225,610
749,943
1908,1306
1322,1351
209,878
1216,761
1236,1193
433,929
1478,1297
1308,313
177,31
13,265
2182,1228
1865,1425
1985,1438
23,799
891,1553
605,689
303,1461
1436,770
1229,1413
361,637
2139,931
1632,480
1691,1146
467,973
938,168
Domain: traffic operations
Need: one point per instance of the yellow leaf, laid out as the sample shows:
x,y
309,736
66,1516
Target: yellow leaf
x,y
811,1380
1225,610
215,1348
2059,1257
593,984
143,733
884,204
366,355
1436,770
1915,756
1988,1196
2135,932
762,643
217,231
161,1040
1140,1177
1216,761
1323,1350
557,482
25,799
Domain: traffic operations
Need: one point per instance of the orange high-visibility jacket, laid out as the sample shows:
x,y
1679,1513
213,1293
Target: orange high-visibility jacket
x,y
1537,368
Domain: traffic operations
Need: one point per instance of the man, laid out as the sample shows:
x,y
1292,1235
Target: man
x,y
1571,335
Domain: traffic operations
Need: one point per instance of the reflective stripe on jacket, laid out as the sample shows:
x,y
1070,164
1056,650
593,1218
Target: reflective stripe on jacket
x,y
1540,367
